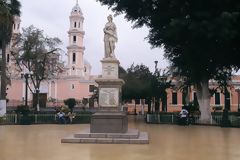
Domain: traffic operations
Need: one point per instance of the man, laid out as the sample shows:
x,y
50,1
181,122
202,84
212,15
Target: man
x,y
183,116
61,116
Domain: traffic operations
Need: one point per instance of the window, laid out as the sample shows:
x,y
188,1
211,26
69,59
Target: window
x,y
75,24
217,98
74,58
72,86
73,68
8,58
85,69
184,94
174,98
79,25
74,39
91,88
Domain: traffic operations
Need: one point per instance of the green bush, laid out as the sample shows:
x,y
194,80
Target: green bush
x,y
70,102
23,114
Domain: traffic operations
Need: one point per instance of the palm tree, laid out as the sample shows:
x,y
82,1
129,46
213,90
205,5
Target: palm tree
x,y
8,9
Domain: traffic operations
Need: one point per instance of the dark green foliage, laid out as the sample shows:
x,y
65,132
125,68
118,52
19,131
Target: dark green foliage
x,y
70,102
8,9
200,38
23,115
22,109
138,84
193,108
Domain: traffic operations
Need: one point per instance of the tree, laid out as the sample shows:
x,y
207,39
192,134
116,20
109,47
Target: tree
x,y
160,83
200,38
8,9
70,102
38,54
137,83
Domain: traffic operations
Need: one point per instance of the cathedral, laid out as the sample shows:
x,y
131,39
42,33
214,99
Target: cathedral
x,y
74,80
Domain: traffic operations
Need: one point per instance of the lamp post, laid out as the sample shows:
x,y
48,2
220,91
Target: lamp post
x,y
26,76
238,92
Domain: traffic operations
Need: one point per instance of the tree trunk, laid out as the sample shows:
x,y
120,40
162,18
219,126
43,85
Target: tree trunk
x,y
164,102
3,76
203,96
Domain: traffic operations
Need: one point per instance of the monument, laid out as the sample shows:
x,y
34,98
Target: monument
x,y
109,124
109,119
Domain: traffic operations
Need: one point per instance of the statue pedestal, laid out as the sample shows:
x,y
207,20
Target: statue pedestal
x,y
109,119
109,122
109,93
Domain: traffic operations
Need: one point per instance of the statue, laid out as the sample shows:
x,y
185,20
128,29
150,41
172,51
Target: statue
x,y
110,37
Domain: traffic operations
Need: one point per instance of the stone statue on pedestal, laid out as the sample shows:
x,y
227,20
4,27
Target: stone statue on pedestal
x,y
110,37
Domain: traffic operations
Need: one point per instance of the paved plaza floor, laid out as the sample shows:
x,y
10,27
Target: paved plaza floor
x,y
167,142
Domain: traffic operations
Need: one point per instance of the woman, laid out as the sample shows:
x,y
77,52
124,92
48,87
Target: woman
x,y
110,37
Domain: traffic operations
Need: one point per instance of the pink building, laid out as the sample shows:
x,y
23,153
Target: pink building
x,y
75,79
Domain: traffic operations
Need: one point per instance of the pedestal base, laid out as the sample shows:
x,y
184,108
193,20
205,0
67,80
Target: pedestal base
x,y
109,122
132,136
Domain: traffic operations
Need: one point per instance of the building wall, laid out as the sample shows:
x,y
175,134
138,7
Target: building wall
x,y
57,89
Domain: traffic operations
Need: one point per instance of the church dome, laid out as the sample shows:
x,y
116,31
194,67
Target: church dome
x,y
77,9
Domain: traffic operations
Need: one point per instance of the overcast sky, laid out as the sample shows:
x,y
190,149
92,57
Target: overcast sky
x,y
52,16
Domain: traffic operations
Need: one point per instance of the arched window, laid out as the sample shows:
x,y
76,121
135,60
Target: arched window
x,y
75,24
73,68
74,39
79,25
74,58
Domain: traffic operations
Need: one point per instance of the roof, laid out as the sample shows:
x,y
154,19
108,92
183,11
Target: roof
x,y
76,8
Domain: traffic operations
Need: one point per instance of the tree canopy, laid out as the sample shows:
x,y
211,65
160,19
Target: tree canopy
x,y
37,53
200,38
138,83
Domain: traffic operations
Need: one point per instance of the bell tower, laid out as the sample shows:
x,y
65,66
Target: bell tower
x,y
75,47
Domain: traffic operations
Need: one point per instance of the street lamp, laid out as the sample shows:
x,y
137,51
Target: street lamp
x,y
238,92
26,76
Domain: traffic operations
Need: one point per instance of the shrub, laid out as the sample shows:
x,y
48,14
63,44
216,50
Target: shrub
x,y
70,102
23,112
22,109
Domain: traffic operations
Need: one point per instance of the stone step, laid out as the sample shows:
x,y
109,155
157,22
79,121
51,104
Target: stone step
x,y
130,134
142,139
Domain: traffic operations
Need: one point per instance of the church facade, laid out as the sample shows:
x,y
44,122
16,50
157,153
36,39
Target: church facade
x,y
75,79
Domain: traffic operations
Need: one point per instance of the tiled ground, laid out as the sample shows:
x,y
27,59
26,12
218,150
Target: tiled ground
x,y
167,142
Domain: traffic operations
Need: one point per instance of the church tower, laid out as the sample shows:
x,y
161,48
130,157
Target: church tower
x,y
75,48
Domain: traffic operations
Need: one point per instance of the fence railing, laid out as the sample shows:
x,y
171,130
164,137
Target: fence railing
x,y
42,118
172,118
